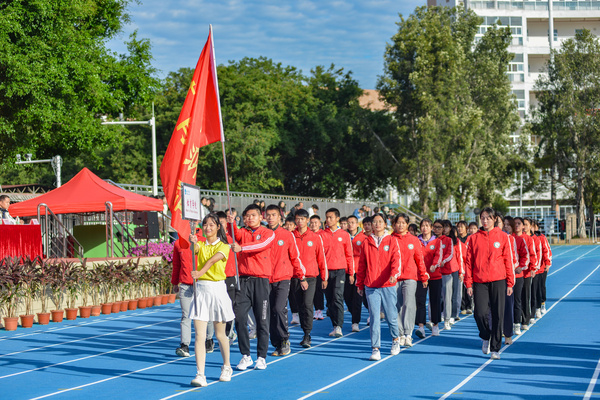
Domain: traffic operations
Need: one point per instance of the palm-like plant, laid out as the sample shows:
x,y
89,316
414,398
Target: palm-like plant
x,y
10,285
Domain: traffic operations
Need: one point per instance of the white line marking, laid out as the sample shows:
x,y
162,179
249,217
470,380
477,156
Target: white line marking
x,y
590,389
565,252
572,261
478,370
86,357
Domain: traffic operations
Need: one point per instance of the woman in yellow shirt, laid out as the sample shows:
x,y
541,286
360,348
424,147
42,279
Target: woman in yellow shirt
x,y
212,303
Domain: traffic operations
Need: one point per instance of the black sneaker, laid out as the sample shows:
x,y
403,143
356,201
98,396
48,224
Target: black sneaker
x,y
183,350
210,346
305,341
284,350
276,353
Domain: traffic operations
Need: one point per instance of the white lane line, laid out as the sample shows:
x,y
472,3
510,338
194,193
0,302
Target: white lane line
x,y
87,323
590,389
572,261
565,252
365,368
87,338
87,357
478,370
269,363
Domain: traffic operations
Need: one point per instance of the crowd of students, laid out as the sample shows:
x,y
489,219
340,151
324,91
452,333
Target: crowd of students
x,y
496,272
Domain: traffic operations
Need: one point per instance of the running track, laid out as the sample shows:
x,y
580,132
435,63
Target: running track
x,y
131,355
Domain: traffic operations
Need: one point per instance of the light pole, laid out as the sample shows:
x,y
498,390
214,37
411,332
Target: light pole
x,y
152,123
55,161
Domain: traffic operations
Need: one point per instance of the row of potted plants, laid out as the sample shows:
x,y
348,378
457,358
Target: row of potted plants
x,y
112,286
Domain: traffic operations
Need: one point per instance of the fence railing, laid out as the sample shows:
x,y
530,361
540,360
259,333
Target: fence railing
x,y
58,242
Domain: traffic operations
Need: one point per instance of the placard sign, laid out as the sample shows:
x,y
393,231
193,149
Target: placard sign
x,y
191,207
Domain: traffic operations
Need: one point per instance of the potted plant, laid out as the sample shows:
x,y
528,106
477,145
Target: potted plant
x,y
72,286
93,279
104,272
139,286
58,284
10,290
42,272
129,287
84,286
28,279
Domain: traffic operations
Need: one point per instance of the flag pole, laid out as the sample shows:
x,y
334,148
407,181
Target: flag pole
x,y
214,64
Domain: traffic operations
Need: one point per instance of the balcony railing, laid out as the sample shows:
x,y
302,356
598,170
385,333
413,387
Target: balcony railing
x,y
536,5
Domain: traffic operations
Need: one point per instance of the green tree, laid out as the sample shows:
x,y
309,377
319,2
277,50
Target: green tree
x,y
57,77
567,117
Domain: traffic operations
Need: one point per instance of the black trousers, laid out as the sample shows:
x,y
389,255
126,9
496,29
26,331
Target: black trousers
x,y
319,299
435,302
490,295
518,300
254,292
335,296
293,302
509,307
231,285
278,326
353,300
305,301
543,295
536,292
526,301
467,301
421,296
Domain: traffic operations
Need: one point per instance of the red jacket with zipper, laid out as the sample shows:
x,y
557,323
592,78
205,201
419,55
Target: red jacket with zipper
x,y
255,257
522,253
312,253
430,250
378,263
445,257
411,252
285,257
340,256
489,259
532,255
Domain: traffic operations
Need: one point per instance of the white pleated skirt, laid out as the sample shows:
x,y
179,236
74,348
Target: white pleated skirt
x,y
212,302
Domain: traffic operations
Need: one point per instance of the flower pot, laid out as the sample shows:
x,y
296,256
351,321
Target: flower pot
x,y
149,302
106,308
164,299
27,321
96,310
157,300
132,304
11,323
116,307
43,318
71,313
57,315
124,305
85,312
141,302
172,297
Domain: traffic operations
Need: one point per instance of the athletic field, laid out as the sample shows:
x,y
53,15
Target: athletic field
x,y
131,355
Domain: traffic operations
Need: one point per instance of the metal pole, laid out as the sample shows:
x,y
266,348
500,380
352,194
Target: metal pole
x,y
550,27
57,161
194,267
154,167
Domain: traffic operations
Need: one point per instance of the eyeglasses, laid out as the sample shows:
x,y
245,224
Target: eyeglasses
x,y
437,227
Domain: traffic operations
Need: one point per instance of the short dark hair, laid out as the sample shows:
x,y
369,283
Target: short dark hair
x,y
343,219
379,215
426,221
414,226
314,216
488,210
404,216
221,214
352,216
333,210
290,219
473,224
301,213
464,223
251,207
520,219
271,207
316,207
367,220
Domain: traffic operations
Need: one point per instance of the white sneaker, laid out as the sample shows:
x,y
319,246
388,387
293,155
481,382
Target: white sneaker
x,y
485,347
244,363
517,329
447,325
260,363
375,355
495,355
396,346
435,330
252,334
538,313
532,321
429,325
524,327
420,332
199,381
226,373
337,331
401,340
332,333
452,321
543,308
408,341
295,319
355,328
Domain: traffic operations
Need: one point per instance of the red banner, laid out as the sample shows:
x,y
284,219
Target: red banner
x,y
199,124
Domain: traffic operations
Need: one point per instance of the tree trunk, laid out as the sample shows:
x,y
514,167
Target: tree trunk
x,y
553,188
580,207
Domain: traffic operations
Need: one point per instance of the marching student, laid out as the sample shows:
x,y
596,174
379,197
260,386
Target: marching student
x,y
509,304
547,252
285,259
312,253
367,225
528,275
446,261
523,264
253,245
460,254
535,280
319,301
539,283
290,225
340,263
351,297
413,270
378,271
466,303
181,279
489,277
212,304
230,280
431,246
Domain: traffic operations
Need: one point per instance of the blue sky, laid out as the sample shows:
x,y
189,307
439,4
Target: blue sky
x,y
301,33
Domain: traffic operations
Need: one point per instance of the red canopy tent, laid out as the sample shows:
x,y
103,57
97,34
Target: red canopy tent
x,y
86,193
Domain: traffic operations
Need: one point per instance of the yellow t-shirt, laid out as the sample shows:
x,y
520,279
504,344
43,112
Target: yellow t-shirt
x,y
205,252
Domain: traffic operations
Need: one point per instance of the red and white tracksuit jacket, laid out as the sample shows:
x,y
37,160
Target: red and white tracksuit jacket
x,y
489,258
312,254
380,260
522,254
285,257
340,255
255,257
411,253
430,251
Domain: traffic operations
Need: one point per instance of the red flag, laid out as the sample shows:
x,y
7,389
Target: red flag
x,y
199,124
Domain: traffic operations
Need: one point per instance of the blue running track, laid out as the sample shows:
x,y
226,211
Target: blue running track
x,y
131,355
